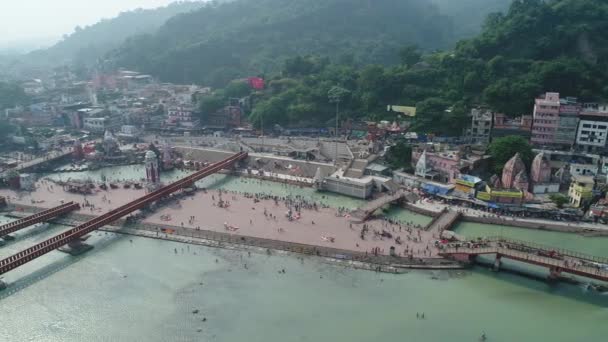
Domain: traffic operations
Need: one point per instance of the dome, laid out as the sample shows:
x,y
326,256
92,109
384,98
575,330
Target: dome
x,y
513,167
150,155
515,164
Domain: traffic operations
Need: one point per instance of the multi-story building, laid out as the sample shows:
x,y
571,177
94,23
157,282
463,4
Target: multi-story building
x,y
96,124
592,133
545,119
181,116
555,121
581,190
481,126
569,111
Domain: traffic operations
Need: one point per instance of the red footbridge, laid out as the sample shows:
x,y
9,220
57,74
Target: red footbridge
x,y
555,259
76,233
42,216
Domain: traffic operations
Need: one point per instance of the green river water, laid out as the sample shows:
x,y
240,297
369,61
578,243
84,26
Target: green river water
x,y
141,290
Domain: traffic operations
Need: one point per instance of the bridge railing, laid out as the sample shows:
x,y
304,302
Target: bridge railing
x,y
534,247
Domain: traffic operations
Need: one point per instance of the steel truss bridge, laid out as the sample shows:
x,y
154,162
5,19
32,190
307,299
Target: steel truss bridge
x,y
76,233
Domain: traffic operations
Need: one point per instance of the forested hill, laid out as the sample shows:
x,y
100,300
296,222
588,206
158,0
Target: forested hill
x,y
537,46
86,44
469,15
220,42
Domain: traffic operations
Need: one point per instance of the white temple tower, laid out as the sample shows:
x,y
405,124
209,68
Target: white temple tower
x,y
152,169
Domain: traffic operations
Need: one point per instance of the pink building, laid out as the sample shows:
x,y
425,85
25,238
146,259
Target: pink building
x,y
555,121
443,165
546,119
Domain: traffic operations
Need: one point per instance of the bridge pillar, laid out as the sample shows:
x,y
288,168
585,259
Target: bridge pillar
x,y
555,273
75,248
2,285
497,263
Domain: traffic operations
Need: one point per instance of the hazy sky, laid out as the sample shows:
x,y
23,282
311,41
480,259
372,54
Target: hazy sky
x,y
34,19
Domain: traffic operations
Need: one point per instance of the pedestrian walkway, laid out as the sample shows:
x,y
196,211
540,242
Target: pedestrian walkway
x,y
367,210
445,221
556,259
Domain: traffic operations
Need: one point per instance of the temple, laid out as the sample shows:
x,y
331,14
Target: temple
x,y
152,169
422,168
541,169
514,167
110,144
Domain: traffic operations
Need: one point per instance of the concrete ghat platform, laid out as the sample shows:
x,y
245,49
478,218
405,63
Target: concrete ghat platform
x,y
353,259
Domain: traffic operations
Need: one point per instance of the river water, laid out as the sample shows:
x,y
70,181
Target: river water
x,y
137,289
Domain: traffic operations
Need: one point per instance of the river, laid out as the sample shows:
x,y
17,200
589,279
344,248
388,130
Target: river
x,y
143,291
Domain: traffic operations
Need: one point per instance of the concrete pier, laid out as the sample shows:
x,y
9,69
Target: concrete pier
x,y
497,263
75,248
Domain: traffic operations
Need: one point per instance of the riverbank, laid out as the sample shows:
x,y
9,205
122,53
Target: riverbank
x,y
209,238
428,208
433,208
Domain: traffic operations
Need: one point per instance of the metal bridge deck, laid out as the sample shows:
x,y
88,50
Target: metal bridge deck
x,y
42,216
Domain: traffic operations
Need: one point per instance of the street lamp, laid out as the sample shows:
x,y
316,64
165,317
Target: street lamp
x,y
335,95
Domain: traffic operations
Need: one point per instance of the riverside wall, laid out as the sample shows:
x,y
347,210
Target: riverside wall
x,y
556,227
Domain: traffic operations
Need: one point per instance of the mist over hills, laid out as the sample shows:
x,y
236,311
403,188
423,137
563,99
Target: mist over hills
x,y
220,42
86,44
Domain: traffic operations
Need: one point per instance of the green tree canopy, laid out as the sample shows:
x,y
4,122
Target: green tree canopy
x,y
209,104
503,149
237,89
400,155
559,200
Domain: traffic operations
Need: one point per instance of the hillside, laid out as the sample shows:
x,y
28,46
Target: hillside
x,y
217,43
535,47
469,15
87,44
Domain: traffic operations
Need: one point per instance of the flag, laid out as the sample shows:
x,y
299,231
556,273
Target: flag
x,y
256,83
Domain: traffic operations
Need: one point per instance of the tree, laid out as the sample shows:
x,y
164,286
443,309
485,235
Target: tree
x,y
400,155
237,89
410,55
503,149
559,200
210,104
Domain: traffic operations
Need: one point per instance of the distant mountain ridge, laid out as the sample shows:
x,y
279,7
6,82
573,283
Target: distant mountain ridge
x,y
217,43
87,44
